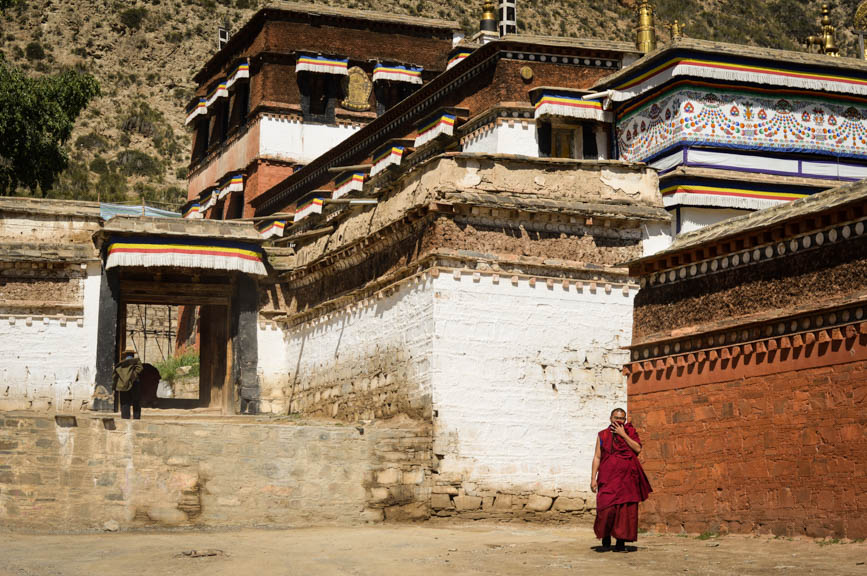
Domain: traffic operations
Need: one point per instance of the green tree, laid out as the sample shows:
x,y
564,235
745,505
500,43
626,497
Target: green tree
x,y
36,119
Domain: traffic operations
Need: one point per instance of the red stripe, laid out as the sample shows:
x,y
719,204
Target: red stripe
x,y
181,251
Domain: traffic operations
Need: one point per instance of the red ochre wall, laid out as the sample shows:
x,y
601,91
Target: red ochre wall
x,y
756,446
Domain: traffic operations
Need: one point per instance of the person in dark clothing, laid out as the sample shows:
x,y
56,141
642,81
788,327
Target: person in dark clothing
x,y
126,382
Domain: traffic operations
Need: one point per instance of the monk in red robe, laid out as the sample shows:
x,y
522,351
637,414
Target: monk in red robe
x,y
619,482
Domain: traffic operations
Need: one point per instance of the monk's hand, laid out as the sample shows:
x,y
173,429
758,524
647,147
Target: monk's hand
x,y
620,430
593,486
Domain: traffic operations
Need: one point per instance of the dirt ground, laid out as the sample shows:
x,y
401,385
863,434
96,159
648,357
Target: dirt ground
x,y
410,550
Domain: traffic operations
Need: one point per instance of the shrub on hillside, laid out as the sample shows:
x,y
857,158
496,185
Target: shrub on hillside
x,y
34,51
99,165
92,141
133,17
137,163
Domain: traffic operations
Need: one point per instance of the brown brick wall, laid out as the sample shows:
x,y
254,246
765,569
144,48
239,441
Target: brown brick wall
x,y
782,452
361,44
261,176
504,83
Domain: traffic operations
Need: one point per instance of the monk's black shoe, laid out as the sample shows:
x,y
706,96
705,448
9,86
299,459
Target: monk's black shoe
x,y
620,546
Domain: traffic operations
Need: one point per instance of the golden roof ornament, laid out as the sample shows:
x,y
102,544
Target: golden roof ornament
x,y
677,30
488,23
826,41
645,34
861,27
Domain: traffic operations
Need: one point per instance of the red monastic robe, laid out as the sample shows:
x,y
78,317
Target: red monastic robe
x,y
622,485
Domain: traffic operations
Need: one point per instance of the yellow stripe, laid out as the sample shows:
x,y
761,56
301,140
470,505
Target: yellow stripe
x,y
228,251
712,189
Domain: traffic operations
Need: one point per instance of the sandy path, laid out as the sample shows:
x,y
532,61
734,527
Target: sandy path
x,y
417,550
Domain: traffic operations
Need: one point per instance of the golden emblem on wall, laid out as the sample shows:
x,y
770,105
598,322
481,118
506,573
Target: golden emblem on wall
x,y
357,87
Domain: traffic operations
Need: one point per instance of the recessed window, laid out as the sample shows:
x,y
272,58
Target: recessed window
x,y
563,142
319,96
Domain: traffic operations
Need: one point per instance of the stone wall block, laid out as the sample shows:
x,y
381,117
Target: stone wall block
x,y
466,503
538,503
441,502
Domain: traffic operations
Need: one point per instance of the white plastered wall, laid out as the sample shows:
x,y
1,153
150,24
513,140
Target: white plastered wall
x,y
516,137
695,218
523,378
291,139
352,361
49,361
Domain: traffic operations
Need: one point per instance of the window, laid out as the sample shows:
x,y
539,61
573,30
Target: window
x,y
390,93
319,96
200,146
585,140
563,142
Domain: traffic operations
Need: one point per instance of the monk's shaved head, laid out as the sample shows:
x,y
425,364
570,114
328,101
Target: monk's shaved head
x,y
616,410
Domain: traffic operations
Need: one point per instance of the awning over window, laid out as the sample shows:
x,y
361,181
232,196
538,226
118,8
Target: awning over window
x,y
457,56
322,65
234,184
385,157
185,252
194,211
397,74
442,123
240,72
563,104
349,182
275,228
199,109
311,206
221,90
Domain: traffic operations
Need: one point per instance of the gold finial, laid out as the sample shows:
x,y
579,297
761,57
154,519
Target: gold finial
x,y
645,36
861,27
488,22
825,42
677,30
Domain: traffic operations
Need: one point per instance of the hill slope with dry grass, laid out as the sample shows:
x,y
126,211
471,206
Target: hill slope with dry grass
x,y
131,143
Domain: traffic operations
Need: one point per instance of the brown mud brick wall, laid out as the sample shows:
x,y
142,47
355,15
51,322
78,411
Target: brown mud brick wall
x,y
778,284
438,233
782,453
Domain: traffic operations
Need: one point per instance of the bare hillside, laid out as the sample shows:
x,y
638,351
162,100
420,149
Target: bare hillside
x,y
131,142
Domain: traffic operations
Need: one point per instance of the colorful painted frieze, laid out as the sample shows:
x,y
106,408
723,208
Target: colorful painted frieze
x,y
780,122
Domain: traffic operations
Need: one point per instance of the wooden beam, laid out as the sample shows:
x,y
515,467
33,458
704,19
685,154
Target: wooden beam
x,y
304,235
340,169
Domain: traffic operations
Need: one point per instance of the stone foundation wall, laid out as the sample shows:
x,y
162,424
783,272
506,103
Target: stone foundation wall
x,y
120,474
781,451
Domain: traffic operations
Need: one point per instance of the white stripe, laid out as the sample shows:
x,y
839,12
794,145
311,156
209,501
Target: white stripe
x,y
833,170
209,261
441,128
688,199
668,162
551,109
736,76
747,162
